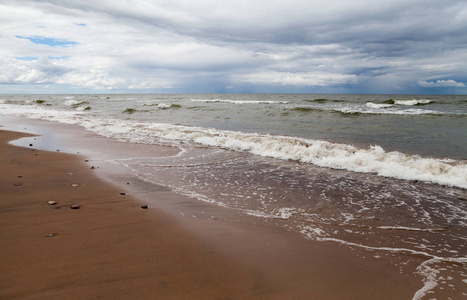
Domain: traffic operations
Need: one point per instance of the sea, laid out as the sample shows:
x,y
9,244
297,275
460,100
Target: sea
x,y
386,174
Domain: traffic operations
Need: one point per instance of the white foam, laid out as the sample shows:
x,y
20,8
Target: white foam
x,y
164,105
432,258
429,281
379,111
411,102
161,105
312,232
430,275
285,212
326,154
73,102
239,101
377,106
410,228
321,153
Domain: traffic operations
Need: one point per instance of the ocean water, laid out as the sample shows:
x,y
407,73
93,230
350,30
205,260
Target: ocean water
x,y
382,173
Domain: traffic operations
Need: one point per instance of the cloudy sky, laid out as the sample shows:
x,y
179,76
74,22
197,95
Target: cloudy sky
x,y
241,46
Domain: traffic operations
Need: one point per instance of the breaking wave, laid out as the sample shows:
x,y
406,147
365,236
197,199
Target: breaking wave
x,y
318,152
410,102
371,108
239,101
376,105
382,109
75,102
163,105
324,154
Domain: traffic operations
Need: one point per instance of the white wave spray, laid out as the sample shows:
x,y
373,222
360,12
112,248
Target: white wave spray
x,y
321,153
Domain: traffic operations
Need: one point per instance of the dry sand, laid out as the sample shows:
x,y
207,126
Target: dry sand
x,y
110,248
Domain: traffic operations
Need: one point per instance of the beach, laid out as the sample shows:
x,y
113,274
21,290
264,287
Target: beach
x,y
108,248
111,248
215,150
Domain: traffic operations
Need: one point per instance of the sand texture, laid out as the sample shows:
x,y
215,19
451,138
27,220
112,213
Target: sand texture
x,y
108,248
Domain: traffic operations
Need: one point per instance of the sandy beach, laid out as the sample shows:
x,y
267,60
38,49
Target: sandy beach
x,y
108,248
111,248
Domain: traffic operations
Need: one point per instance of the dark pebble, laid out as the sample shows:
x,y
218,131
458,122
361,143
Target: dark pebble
x,y
74,206
50,235
144,206
122,194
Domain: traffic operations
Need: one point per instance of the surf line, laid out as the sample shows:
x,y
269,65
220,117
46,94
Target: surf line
x,y
429,274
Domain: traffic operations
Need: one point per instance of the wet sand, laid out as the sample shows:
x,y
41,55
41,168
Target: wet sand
x,y
110,248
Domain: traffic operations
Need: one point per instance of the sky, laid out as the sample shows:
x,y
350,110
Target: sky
x,y
241,46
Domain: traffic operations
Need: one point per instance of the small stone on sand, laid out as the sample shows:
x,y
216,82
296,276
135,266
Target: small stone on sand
x,y
51,202
123,194
144,206
50,235
74,206
74,184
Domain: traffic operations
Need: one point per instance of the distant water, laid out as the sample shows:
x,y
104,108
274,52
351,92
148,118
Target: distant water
x,y
386,173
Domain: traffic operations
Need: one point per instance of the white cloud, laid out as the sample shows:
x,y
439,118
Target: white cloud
x,y
151,83
441,83
91,79
28,72
143,44
297,79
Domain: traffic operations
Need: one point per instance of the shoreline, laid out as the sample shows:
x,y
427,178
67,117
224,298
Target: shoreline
x,y
108,248
213,261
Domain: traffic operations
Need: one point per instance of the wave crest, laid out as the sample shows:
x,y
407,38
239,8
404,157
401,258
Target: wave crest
x,y
321,153
408,102
240,101
326,154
